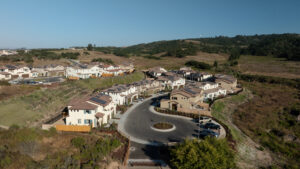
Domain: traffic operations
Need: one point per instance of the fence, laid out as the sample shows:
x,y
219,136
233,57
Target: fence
x,y
73,128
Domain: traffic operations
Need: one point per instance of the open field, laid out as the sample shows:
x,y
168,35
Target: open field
x,y
269,66
30,109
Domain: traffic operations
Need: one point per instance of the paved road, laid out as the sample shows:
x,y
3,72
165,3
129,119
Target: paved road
x,y
40,79
137,124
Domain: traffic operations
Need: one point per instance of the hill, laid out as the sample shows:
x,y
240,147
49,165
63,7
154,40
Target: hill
x,y
278,45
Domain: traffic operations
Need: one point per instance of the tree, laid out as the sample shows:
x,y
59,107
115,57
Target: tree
x,y
215,64
198,65
210,153
90,46
235,55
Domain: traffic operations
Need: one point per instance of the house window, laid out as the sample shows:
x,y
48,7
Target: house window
x,y
87,121
79,121
174,98
87,112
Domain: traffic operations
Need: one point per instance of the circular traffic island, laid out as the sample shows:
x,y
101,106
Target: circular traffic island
x,y
163,126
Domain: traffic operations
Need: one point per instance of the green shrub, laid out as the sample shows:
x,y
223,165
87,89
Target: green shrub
x,y
198,65
78,142
209,153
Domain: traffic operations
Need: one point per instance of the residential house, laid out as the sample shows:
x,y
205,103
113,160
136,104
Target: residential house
x,y
122,94
93,110
8,52
148,86
17,72
227,82
199,76
211,90
172,82
213,93
188,100
5,76
83,71
185,71
156,71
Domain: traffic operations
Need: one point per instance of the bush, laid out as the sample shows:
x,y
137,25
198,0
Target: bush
x,y
4,83
209,153
109,61
198,65
14,127
78,142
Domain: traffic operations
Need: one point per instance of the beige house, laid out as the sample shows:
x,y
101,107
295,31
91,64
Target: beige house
x,y
227,82
188,100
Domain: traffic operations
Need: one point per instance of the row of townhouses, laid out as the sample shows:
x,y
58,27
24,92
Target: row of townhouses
x,y
186,96
193,96
97,109
8,72
8,52
80,71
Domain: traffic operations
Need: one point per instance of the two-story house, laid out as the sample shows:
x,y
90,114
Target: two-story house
x,y
92,110
122,94
156,71
188,100
227,82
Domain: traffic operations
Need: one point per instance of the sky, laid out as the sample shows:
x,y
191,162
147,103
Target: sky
x,y
66,23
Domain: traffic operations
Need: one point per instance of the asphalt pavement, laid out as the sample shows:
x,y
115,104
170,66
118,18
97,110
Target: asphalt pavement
x,y
139,119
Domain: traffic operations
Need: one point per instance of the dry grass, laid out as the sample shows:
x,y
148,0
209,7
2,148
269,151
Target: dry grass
x,y
267,119
7,92
269,66
248,156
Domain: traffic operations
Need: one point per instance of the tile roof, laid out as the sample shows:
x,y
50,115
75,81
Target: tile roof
x,y
188,91
99,115
225,78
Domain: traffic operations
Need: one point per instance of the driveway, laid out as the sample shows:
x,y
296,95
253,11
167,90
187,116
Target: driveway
x,y
137,121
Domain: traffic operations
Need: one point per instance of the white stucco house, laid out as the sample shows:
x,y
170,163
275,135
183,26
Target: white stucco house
x,y
83,71
173,82
208,85
94,110
16,72
5,76
122,94
156,71
199,76
214,93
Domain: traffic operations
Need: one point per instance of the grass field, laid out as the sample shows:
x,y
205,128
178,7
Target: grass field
x,y
269,66
29,109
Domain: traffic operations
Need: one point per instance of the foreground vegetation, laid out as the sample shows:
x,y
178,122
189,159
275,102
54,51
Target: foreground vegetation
x,y
41,102
209,153
34,148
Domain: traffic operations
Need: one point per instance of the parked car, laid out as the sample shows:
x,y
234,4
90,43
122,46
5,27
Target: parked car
x,y
203,118
211,126
205,133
